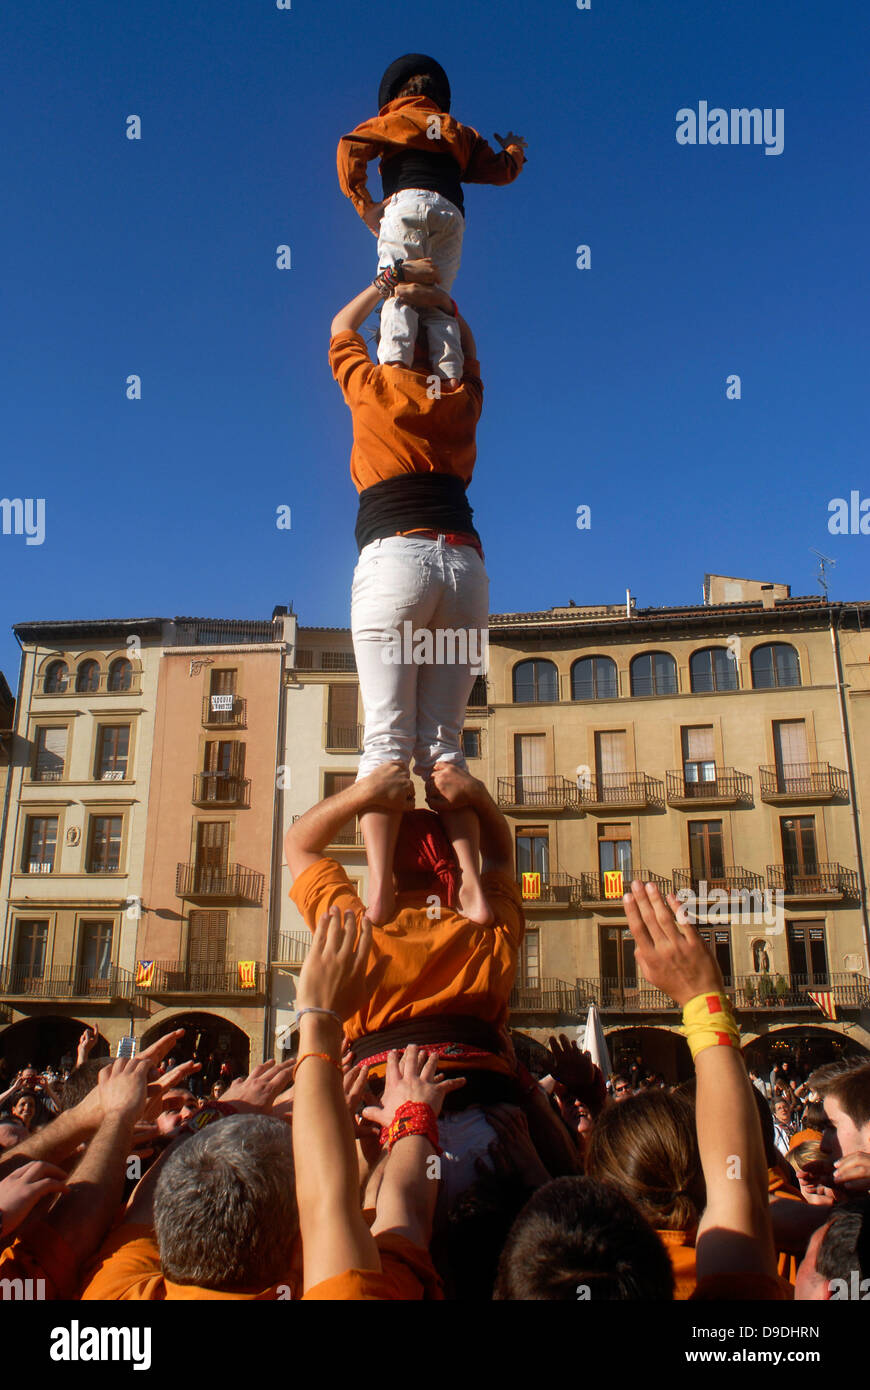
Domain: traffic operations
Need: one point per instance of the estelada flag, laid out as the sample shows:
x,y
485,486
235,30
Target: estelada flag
x,y
825,1000
248,974
531,885
613,883
145,973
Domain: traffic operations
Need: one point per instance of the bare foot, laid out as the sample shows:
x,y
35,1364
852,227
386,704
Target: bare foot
x,y
381,906
473,905
453,383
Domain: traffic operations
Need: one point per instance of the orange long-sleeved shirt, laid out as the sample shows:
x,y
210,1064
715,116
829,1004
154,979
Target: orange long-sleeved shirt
x,y
397,428
406,122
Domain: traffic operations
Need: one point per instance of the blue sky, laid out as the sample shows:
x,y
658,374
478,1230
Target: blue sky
x,y
604,387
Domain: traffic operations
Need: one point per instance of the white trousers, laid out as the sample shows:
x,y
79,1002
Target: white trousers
x,y
415,686
417,223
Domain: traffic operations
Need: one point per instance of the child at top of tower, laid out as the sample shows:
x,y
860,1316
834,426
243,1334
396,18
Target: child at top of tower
x,y
426,155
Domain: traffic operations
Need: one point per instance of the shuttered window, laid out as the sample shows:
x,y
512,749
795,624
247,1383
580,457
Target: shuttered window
x,y
50,754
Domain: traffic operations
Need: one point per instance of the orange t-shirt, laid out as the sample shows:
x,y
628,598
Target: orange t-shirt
x,y
397,428
420,968
406,1274
39,1253
406,123
128,1269
777,1186
680,1246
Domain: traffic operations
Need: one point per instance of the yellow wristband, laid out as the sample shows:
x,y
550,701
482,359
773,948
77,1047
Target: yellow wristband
x,y
709,1022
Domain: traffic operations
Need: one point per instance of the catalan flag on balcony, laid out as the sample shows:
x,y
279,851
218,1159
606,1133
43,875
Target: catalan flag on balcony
x,y
613,883
248,974
531,885
144,974
825,1000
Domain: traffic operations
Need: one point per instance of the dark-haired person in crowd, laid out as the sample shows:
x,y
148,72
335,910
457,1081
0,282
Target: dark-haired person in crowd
x,y
580,1235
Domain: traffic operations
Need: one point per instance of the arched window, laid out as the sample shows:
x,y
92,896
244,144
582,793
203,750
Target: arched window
x,y
535,682
56,678
88,676
654,673
594,678
712,668
775,664
120,674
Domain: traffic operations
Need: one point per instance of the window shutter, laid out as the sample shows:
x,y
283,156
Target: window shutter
x,y
698,743
52,747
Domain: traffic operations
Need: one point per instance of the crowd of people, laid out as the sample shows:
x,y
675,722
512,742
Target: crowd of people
x,y
415,1148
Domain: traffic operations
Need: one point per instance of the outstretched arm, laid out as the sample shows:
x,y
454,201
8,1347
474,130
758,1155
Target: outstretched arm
x,y
388,787
734,1235
335,1237
420,271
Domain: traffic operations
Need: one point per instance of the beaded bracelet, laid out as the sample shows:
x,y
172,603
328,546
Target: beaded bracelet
x,y
413,1117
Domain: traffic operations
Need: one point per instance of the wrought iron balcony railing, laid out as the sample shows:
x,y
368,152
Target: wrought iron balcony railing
x,y
622,790
224,712
803,782
231,881
220,788
726,786
819,881
207,977
538,793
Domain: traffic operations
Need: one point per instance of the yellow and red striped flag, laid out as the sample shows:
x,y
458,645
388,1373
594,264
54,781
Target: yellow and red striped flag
x,y
825,1000
613,883
144,973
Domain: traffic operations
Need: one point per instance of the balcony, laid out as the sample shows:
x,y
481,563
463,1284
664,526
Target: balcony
x,y
825,881
754,992
478,700
536,793
292,947
343,738
726,788
220,789
632,996
334,661
546,889
20,981
796,782
233,716
547,996
213,977
605,889
231,882
623,791
733,878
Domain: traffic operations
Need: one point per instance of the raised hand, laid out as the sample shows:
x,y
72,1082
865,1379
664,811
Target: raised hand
x,y
573,1067
256,1093
449,787
411,1077
511,139
122,1087
333,976
389,788
668,949
86,1045
421,270
23,1188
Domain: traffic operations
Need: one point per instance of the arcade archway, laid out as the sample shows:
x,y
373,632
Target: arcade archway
x,y
804,1045
44,1041
209,1039
661,1051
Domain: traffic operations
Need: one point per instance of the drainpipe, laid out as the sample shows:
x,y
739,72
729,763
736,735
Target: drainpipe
x,y
8,796
275,901
850,773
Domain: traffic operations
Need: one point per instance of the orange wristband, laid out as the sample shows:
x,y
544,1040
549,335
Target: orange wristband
x,y
324,1056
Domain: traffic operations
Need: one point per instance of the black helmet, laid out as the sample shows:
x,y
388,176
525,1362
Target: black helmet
x,y
410,65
